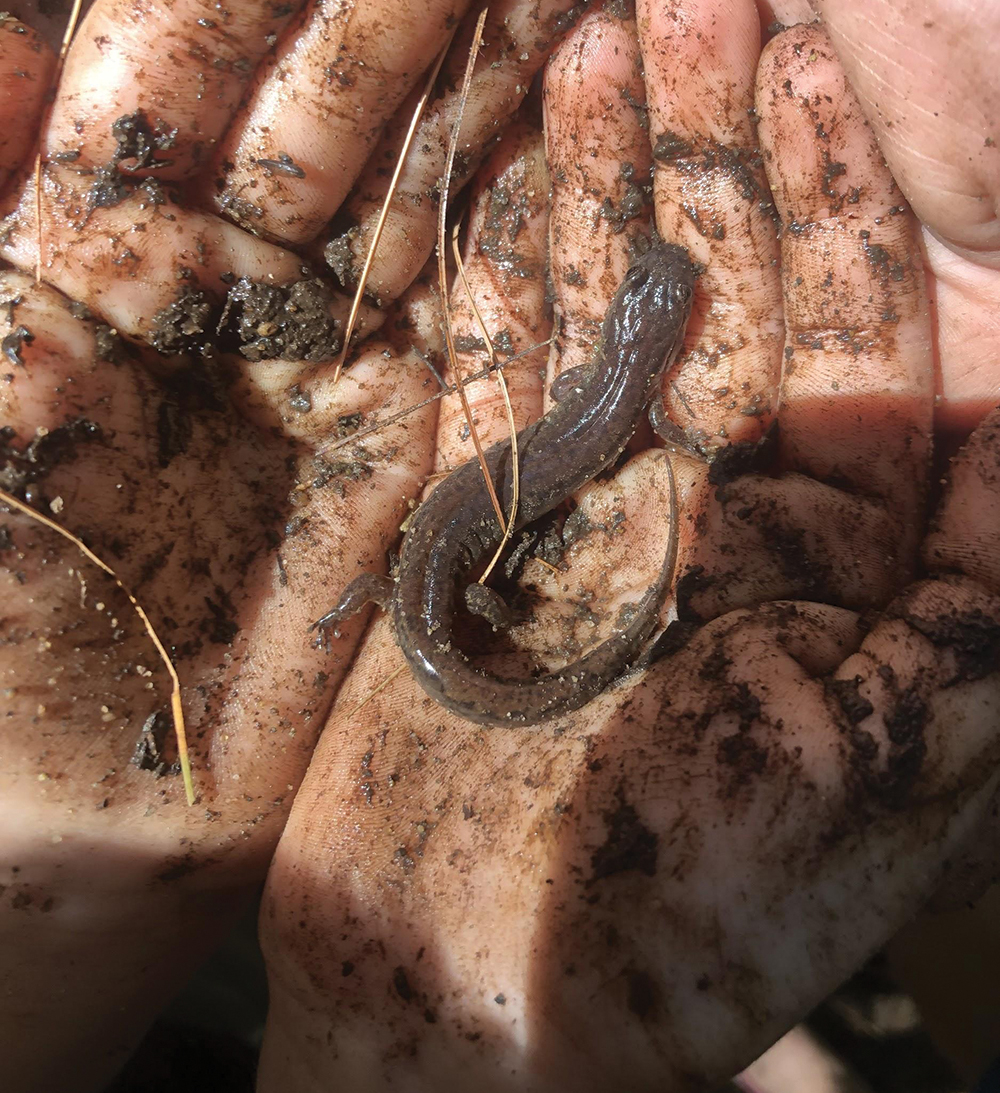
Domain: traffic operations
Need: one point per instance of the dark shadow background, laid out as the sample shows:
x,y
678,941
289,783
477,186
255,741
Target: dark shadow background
x,y
208,1039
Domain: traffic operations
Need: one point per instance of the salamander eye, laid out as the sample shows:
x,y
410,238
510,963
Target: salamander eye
x,y
637,276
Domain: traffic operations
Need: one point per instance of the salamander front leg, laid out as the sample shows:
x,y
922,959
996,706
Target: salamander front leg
x,y
573,379
368,588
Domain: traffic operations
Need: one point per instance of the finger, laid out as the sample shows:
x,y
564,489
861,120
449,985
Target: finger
x,y
712,196
775,15
929,664
858,378
158,271
517,38
132,259
312,118
595,125
584,579
758,539
764,539
505,268
965,532
598,158
368,449
933,110
797,537
26,67
153,90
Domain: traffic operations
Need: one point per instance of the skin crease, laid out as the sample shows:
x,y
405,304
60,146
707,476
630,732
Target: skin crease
x,y
718,835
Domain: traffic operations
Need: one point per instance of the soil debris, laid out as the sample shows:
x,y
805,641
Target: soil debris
x,y
13,343
20,468
290,322
151,747
629,845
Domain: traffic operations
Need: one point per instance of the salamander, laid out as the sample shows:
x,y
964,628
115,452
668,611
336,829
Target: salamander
x,y
584,433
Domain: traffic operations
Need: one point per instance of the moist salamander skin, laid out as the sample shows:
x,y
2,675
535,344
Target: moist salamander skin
x,y
581,436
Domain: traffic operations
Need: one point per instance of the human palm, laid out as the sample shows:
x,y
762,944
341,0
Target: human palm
x,y
682,866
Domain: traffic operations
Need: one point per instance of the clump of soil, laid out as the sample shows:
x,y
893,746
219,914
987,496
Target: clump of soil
x,y
341,260
291,322
153,750
185,325
259,321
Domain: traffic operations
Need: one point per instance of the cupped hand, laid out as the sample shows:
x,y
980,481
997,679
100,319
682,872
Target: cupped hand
x,y
683,866
647,894
193,470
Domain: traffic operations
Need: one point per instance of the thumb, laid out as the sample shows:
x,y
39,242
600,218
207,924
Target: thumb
x,y
929,84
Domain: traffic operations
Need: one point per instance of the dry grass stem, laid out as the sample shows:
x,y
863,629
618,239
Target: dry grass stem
x,y
175,693
449,336
380,224
381,687
674,511
502,382
449,389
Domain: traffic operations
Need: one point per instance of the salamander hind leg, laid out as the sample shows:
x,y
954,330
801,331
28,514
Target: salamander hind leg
x,y
368,588
672,435
489,605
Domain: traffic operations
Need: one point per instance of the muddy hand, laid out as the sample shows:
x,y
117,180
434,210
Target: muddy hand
x,y
166,393
695,850
647,894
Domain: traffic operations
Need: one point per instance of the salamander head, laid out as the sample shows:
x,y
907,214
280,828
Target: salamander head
x,y
665,270
649,312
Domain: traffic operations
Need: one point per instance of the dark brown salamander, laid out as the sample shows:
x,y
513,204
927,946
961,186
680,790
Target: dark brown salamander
x,y
456,526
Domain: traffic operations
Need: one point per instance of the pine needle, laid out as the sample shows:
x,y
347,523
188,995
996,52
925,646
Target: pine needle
x,y
449,336
175,694
74,15
502,382
383,215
